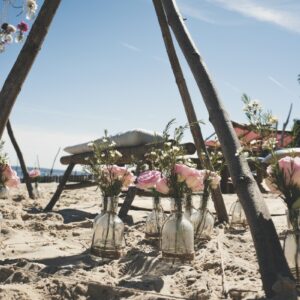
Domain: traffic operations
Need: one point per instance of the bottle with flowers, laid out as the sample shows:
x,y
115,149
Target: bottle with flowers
x,y
8,177
111,179
284,178
177,179
149,180
34,175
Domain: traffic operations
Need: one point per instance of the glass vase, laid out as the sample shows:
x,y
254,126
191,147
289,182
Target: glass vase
x,y
238,218
108,235
103,210
291,249
293,219
155,220
4,192
36,191
203,222
189,208
177,241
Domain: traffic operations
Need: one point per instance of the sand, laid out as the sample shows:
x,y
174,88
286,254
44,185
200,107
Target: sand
x,y
46,255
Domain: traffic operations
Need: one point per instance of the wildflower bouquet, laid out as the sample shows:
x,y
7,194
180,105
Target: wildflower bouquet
x,y
284,175
111,178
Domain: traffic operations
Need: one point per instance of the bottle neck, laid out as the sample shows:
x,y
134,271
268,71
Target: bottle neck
x,y
112,204
156,203
176,205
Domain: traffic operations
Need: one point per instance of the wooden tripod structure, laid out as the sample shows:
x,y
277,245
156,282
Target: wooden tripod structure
x,y
275,274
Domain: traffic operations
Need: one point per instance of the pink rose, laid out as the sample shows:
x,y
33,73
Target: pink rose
x,y
184,170
13,182
148,180
195,182
290,166
128,179
162,186
34,173
8,172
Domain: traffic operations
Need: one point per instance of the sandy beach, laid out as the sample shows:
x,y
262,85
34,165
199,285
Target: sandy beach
x,y
46,255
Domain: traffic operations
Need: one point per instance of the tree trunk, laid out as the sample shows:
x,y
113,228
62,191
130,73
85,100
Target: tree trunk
x,y
26,57
270,257
26,177
189,108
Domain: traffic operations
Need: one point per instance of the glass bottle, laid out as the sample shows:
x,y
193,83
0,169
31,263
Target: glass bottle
x,y
238,218
189,208
36,191
203,222
177,241
103,210
108,235
155,220
4,192
291,249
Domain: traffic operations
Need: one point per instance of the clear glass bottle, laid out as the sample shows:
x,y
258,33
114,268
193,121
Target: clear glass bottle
x,y
177,241
4,192
203,222
36,191
238,218
291,249
155,220
189,208
108,235
103,210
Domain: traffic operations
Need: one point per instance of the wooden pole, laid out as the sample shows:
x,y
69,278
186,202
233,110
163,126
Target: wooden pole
x,y
189,108
26,177
272,263
15,79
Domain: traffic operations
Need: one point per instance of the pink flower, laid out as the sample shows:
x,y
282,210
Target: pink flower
x,y
10,177
162,186
128,179
184,171
195,182
13,182
22,26
34,173
148,180
290,166
8,172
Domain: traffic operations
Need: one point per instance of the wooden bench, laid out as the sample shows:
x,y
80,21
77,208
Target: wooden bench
x,y
129,156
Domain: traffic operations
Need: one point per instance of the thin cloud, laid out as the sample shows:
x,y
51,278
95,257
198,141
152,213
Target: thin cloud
x,y
233,87
285,16
131,47
276,82
206,14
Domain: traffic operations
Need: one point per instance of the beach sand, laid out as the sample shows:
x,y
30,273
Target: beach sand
x,y
46,255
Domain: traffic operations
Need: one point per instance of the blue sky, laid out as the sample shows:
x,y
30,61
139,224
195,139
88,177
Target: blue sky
x,y
104,65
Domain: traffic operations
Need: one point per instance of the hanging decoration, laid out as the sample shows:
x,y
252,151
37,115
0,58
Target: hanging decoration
x,y
10,33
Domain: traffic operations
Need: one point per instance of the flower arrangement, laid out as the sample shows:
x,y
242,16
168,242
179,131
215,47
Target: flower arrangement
x,y
8,177
284,175
171,173
111,178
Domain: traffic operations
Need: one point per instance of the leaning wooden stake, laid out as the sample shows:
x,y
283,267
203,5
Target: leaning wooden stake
x,y
26,177
189,108
13,84
270,257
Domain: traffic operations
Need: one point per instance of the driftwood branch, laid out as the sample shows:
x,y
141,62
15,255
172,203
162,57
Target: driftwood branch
x,y
26,177
285,124
268,249
189,108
